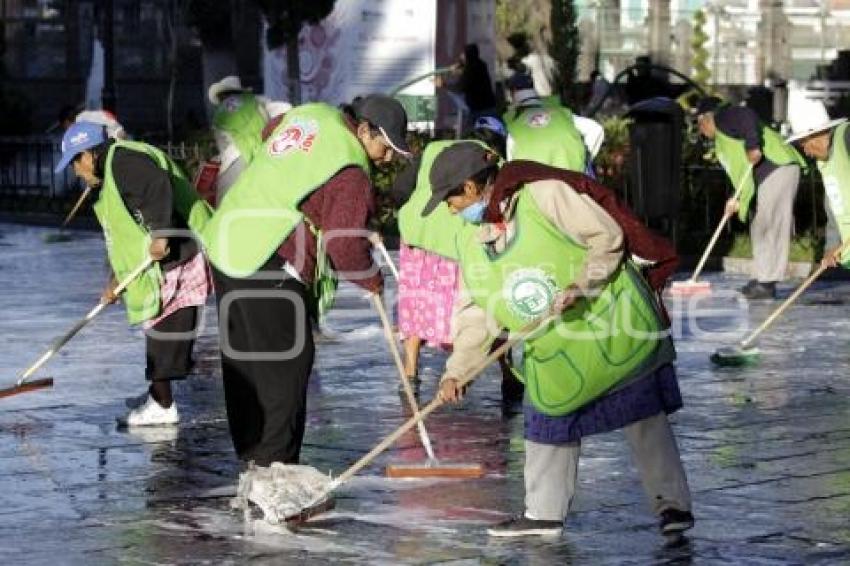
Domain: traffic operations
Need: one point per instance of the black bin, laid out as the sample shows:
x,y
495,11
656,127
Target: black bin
x,y
655,162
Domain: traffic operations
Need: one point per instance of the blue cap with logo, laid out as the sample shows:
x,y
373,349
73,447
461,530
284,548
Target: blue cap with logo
x,y
79,137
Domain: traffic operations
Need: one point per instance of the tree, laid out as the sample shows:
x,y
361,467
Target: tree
x,y
700,73
285,19
213,20
564,48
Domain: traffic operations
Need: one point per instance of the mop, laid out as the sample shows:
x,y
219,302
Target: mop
x,y
62,236
24,384
432,467
746,353
322,493
692,286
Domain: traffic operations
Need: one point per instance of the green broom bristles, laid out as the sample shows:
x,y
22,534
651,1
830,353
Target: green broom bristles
x,y
57,237
736,356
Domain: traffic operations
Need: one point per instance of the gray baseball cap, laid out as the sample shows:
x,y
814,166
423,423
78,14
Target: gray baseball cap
x,y
452,167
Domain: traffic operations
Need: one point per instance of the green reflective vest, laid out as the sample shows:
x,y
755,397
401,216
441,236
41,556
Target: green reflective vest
x,y
311,145
436,232
836,183
240,116
127,242
597,344
546,134
732,154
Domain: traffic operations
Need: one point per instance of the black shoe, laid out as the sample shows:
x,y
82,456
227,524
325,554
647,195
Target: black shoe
x,y
522,526
749,286
674,522
761,291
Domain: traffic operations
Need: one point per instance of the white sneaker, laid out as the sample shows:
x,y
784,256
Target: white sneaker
x,y
151,413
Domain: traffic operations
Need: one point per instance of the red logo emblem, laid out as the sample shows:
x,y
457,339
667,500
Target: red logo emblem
x,y
298,134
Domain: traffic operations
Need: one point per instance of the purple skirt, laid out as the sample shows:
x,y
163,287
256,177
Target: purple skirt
x,y
645,397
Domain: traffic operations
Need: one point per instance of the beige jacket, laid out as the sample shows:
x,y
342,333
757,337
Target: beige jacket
x,y
576,215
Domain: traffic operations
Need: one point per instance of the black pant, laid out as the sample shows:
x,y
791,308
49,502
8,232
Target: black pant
x,y
170,357
266,399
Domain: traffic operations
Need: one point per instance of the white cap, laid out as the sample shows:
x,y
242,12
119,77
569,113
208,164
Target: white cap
x,y
103,118
808,117
227,84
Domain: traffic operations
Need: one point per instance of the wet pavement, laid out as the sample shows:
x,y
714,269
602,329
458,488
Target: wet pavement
x,y
767,448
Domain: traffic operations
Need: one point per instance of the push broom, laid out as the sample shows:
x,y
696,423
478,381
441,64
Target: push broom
x,y
693,286
319,502
62,236
24,384
432,467
746,353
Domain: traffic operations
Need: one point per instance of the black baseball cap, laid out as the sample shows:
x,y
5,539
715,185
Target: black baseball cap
x,y
452,167
708,104
386,114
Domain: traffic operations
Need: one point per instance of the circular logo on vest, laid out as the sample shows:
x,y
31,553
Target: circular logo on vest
x,y
539,119
529,293
297,134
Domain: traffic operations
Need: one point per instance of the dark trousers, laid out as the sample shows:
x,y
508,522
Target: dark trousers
x,y
169,356
266,398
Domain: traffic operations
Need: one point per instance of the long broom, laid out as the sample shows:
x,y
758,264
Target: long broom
x,y
692,286
746,353
62,236
24,384
432,467
316,504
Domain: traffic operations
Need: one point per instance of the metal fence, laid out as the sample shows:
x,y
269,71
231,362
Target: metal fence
x,y
28,182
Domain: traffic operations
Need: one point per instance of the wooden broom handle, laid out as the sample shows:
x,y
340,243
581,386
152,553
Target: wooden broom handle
x,y
719,229
389,261
408,390
784,306
61,341
470,375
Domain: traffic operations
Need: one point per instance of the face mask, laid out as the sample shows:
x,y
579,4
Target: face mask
x,y
474,212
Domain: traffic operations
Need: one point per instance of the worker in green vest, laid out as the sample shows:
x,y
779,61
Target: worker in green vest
x,y
300,208
828,143
428,271
542,130
605,364
238,119
760,164
147,208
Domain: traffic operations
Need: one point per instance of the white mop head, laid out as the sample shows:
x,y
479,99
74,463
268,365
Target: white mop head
x,y
280,490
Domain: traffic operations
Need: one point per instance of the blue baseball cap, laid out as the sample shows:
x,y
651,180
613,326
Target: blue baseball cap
x,y
79,137
492,124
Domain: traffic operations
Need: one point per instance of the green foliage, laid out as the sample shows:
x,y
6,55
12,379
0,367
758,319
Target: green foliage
x,y
382,180
611,159
805,247
512,18
700,74
565,45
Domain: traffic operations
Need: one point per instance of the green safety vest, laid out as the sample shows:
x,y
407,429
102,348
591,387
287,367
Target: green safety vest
x,y
240,116
127,242
597,344
836,183
547,134
732,154
436,232
311,145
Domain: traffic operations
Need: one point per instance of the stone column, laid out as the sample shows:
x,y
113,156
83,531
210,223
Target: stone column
x,y
659,31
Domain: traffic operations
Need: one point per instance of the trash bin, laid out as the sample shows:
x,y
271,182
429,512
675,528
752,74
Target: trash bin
x,y
655,161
